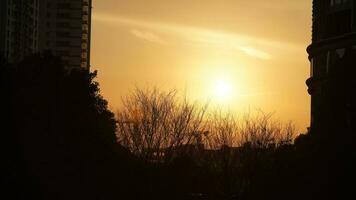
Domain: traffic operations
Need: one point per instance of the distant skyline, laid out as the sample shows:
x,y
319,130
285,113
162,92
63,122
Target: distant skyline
x,y
244,55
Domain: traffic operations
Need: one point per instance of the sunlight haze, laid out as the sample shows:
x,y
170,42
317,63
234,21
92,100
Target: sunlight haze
x,y
244,55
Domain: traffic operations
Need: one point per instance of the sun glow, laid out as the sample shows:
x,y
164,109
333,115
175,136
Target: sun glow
x,y
223,90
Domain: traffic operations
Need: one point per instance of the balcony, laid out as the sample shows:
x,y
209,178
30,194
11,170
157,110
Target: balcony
x,y
337,42
314,84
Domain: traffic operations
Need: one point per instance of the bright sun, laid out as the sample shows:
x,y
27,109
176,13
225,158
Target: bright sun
x,y
222,90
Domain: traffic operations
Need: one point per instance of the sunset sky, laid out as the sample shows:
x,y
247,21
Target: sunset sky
x,y
237,54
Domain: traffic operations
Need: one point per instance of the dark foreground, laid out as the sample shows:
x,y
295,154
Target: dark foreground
x,y
59,142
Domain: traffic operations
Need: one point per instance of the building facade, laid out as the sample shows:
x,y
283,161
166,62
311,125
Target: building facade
x,y
65,30
332,55
19,28
60,26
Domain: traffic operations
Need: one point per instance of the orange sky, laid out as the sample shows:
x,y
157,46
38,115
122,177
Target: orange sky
x,y
255,46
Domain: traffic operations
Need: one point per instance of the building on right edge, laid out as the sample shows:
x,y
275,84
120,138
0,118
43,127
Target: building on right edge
x,y
332,55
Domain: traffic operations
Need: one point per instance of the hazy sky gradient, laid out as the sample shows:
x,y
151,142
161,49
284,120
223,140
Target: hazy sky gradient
x,y
256,45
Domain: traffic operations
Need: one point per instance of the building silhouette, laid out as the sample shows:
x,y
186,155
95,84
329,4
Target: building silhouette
x,y
19,28
60,26
332,55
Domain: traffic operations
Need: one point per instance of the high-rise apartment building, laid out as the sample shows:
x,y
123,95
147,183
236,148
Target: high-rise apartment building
x,y
333,63
65,29
19,28
60,26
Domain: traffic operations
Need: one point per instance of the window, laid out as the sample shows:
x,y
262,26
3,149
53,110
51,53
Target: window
x,y
85,18
333,57
328,62
63,15
62,43
339,21
338,2
63,24
84,64
340,52
319,65
62,53
85,8
85,27
63,5
62,34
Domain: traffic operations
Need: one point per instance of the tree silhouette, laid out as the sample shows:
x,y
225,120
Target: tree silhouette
x,y
60,134
188,152
156,125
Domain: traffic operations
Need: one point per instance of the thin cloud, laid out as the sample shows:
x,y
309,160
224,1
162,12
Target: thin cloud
x,y
255,52
258,94
250,46
148,36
